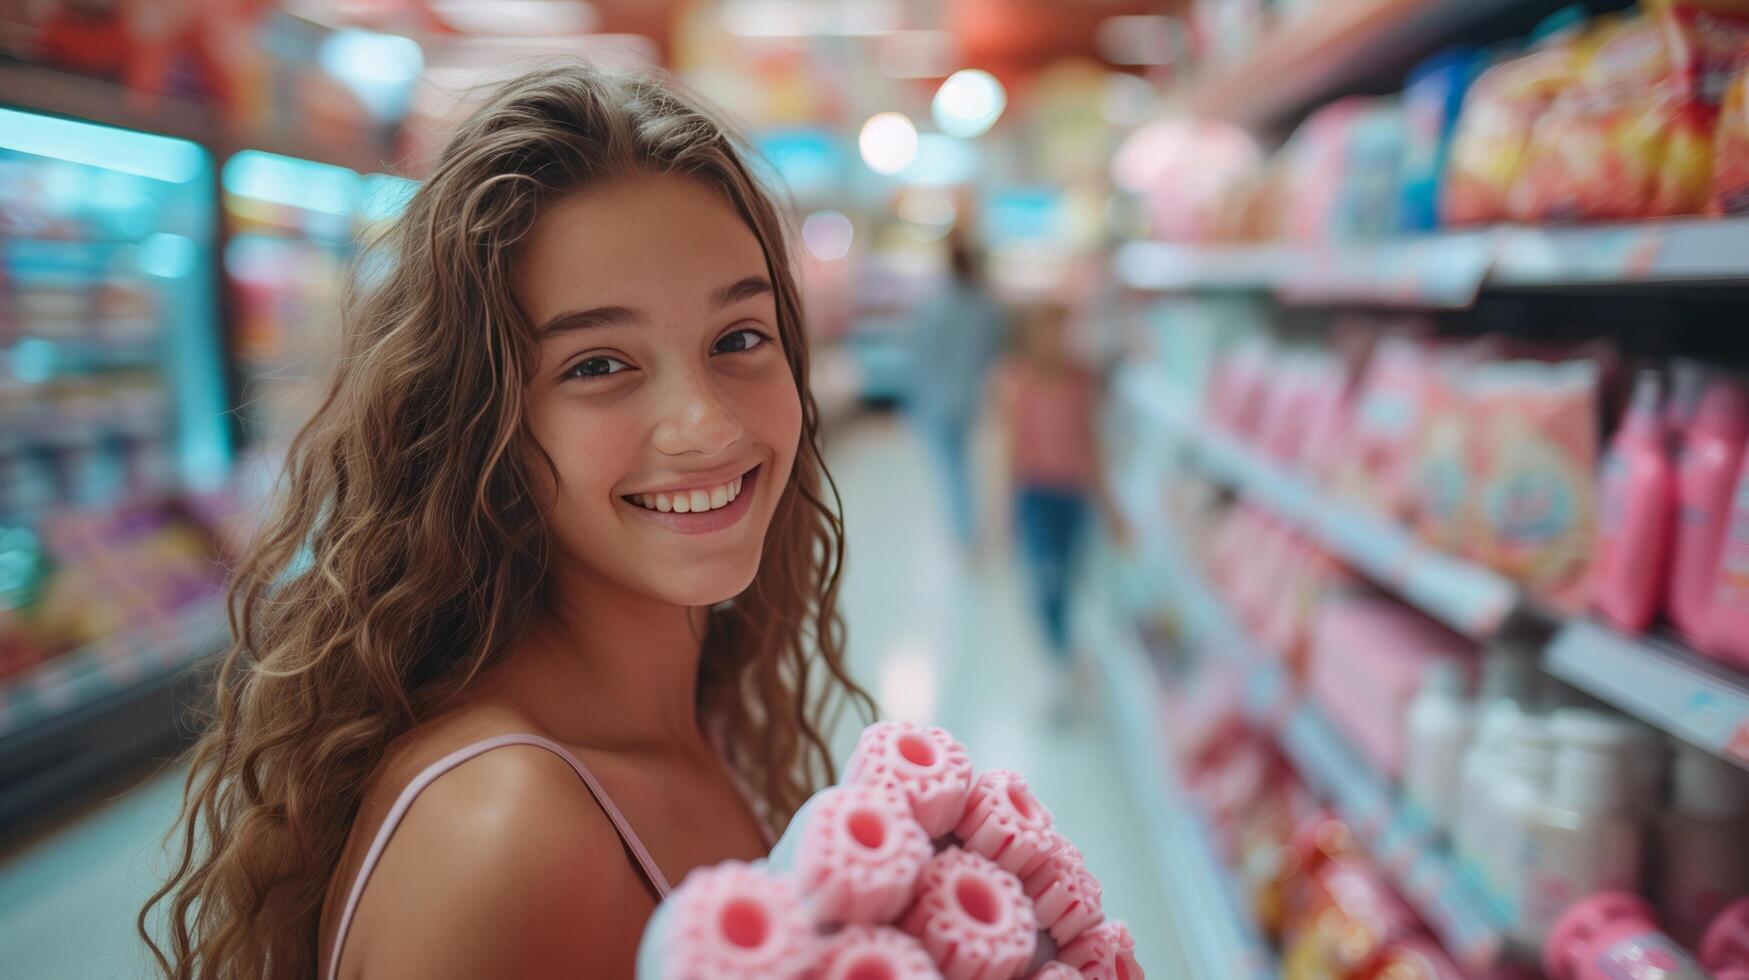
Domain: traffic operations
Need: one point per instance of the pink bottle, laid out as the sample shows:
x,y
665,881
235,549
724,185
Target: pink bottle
x,y
1725,948
860,853
1636,513
1613,936
973,918
1706,473
1727,629
932,770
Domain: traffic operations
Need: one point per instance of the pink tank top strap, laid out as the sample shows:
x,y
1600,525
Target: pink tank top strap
x,y
646,865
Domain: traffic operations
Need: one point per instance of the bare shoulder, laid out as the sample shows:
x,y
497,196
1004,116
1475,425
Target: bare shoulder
x,y
504,865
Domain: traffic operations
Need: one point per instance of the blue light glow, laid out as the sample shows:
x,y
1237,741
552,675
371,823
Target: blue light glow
x,y
141,154
292,182
379,69
167,256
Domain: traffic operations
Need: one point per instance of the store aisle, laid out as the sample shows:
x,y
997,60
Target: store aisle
x,y
958,648
932,643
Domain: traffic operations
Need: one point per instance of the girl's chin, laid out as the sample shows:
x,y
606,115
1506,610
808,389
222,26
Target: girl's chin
x,y
702,586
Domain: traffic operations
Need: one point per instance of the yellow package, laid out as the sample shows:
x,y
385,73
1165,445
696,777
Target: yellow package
x,y
1731,147
1596,153
1494,128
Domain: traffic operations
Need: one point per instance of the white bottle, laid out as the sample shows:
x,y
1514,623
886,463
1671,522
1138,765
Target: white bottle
x,y
1438,723
1703,843
1515,792
1481,759
1586,837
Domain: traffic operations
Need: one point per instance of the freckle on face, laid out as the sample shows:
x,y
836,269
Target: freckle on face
x,y
661,246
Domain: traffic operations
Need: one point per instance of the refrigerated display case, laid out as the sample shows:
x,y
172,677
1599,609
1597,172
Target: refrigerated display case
x,y
112,413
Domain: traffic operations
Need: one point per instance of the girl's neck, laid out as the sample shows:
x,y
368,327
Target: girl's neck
x,y
614,669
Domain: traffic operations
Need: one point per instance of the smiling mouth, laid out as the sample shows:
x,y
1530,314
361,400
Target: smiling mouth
x,y
698,500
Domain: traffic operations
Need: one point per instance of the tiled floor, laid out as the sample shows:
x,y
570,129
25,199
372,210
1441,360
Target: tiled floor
x,y
931,640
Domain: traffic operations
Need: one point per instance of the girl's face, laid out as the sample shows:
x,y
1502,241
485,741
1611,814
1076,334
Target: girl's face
x,y
662,395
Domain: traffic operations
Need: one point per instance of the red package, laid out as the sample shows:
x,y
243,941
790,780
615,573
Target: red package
x,y
1494,129
1731,147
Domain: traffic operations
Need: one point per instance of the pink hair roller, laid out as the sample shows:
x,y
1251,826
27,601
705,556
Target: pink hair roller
x,y
730,922
932,769
1004,822
1065,895
1057,970
973,918
1104,952
875,953
860,854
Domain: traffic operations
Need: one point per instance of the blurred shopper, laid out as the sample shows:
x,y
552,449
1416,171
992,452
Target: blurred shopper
x,y
959,334
1047,402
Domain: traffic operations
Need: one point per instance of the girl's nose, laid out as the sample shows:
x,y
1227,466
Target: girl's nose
x,y
695,420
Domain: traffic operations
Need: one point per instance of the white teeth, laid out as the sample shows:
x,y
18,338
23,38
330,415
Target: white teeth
x,y
690,501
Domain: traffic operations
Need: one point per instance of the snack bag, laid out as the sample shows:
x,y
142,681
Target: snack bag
x,y
1536,446
1493,130
1439,479
1596,153
1709,40
1731,146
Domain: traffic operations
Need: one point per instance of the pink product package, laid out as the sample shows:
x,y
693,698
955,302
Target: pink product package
x,y
1388,413
1057,970
1725,946
1611,936
728,922
1368,658
1006,823
973,918
1104,952
1535,438
929,767
860,853
1065,896
874,953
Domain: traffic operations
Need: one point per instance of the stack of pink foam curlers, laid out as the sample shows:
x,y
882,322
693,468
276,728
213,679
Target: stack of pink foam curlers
x,y
911,868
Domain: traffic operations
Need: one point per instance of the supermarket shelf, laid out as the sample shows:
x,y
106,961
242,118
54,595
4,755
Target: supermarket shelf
x,y
1448,269
1215,933
1466,922
88,675
1469,598
1327,51
1660,681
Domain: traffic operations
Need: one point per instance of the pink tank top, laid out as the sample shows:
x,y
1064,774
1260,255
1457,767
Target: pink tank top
x,y
646,865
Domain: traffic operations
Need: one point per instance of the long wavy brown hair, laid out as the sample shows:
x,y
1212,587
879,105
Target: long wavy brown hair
x,y
408,551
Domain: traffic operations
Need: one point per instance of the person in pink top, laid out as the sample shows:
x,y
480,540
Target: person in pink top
x,y
1047,403
545,611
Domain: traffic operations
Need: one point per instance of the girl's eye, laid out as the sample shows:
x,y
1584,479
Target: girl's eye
x,y
599,366
741,341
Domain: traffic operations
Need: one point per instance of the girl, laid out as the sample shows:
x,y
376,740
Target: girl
x,y
542,620
1047,404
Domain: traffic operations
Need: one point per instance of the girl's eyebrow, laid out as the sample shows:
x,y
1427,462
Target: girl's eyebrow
x,y
744,288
